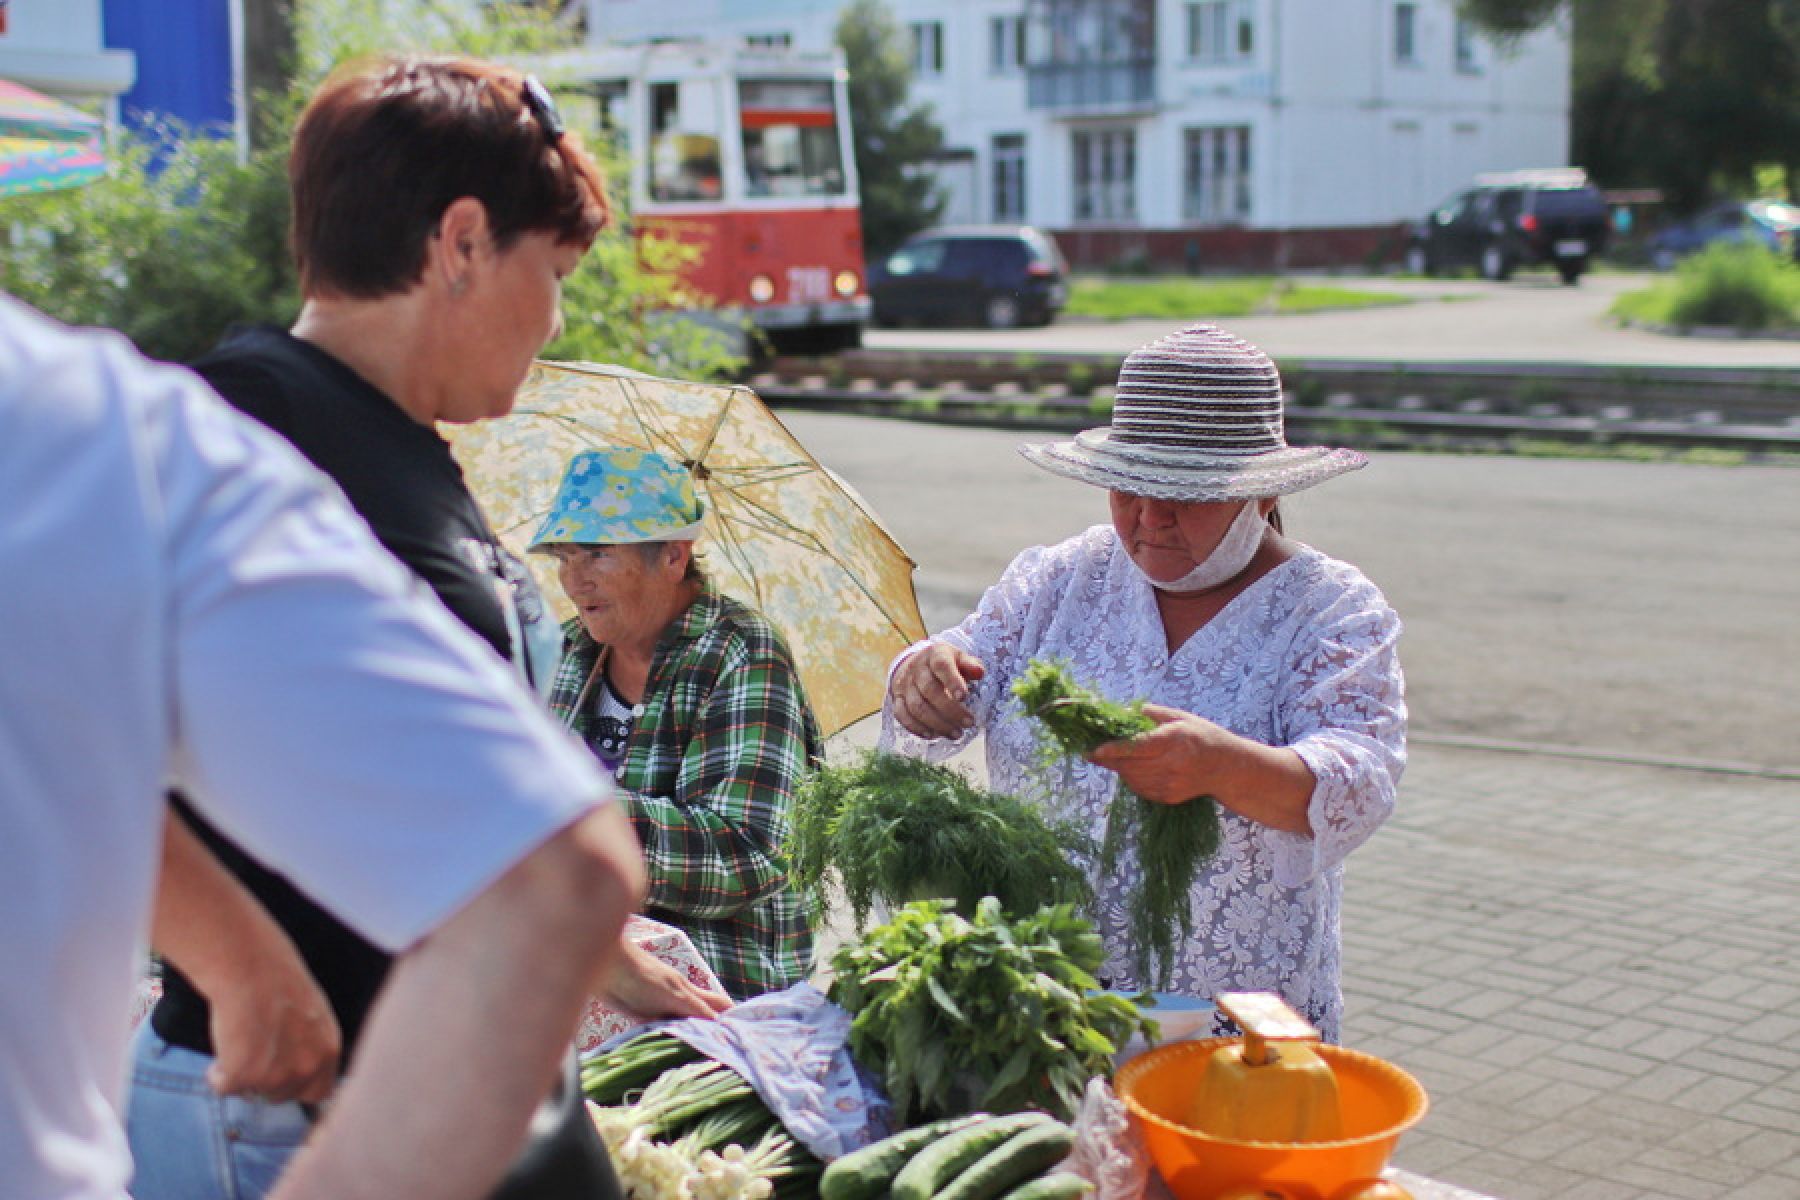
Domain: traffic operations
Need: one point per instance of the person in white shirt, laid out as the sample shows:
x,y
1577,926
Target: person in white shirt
x,y
189,603
1271,670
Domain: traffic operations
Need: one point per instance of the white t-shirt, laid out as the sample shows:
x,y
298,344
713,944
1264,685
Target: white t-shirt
x,y
185,600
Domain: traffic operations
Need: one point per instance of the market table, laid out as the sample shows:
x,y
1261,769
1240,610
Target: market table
x,y
670,945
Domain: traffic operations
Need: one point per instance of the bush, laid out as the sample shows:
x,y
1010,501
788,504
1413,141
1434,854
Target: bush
x,y
1742,286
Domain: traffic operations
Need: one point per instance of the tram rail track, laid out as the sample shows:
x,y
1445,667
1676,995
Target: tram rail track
x,y
1755,411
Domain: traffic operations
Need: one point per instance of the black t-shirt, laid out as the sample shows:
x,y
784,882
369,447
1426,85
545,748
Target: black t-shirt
x,y
401,477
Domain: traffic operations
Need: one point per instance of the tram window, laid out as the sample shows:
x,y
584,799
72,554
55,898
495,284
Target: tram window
x,y
684,141
790,138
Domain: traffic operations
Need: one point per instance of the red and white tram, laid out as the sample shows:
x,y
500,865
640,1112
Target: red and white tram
x,y
744,154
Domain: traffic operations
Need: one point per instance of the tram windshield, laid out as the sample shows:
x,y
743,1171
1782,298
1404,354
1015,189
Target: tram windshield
x,y
790,138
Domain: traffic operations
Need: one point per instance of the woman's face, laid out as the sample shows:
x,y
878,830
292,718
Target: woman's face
x,y
621,595
513,310
1169,538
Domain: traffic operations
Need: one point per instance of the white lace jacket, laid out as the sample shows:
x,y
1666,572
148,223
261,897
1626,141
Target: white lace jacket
x,y
1304,658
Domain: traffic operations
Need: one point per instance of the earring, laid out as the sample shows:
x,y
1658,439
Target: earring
x,y
458,284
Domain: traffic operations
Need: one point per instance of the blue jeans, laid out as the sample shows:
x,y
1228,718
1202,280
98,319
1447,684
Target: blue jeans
x,y
188,1142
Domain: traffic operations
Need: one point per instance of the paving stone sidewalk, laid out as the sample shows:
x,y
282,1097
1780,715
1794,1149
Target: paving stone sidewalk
x,y
1594,969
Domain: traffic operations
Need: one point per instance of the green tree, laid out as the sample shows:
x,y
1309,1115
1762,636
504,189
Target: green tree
x,y
179,240
1692,96
182,238
1731,83
896,141
1617,107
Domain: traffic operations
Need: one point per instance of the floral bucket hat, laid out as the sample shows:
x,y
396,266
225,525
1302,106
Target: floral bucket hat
x,y
622,495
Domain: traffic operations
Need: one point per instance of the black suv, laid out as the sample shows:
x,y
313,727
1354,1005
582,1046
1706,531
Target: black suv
x,y
1525,218
994,275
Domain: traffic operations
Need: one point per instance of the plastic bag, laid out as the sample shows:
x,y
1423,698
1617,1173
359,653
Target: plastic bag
x,y
793,1047
1109,1152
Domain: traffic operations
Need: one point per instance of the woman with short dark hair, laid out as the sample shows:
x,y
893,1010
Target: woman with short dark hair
x,y
438,205
384,148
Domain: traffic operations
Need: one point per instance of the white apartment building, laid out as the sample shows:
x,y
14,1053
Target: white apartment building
x,y
58,47
1205,132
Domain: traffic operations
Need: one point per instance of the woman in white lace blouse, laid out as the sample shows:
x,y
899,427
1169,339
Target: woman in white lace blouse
x,y
1270,668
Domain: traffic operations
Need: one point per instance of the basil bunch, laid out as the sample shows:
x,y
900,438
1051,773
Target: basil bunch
x,y
981,1012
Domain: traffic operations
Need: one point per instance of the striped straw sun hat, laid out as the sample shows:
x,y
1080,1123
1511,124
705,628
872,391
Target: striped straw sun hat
x,y
1196,417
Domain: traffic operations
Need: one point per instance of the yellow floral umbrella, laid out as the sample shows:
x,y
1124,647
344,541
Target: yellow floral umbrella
x,y
782,533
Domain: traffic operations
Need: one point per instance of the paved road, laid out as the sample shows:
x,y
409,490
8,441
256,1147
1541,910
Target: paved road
x,y
1531,318
1593,966
1643,610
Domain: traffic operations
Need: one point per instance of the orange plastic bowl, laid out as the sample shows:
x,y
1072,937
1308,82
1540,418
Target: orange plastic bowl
x,y
1378,1103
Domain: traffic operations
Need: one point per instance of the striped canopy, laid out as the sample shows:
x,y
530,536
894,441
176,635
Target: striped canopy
x,y
44,143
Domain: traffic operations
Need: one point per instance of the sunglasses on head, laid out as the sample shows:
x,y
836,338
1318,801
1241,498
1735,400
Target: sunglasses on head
x,y
543,106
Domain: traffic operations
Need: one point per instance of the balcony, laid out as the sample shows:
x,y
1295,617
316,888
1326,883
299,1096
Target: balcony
x,y
1092,89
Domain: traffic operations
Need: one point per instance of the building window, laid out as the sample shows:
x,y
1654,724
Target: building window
x,y
1468,52
927,49
769,41
1009,177
1105,175
1216,174
1206,30
1219,30
1006,44
1406,33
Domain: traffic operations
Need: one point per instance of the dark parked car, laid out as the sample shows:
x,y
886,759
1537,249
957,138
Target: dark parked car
x,y
1766,222
994,275
1550,218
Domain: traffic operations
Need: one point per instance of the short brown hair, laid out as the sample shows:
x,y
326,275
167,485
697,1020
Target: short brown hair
x,y
386,145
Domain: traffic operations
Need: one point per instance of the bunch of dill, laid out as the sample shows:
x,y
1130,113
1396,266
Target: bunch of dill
x,y
1173,840
898,829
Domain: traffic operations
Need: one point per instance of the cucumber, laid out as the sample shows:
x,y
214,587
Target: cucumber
x,y
1063,1185
1021,1157
938,1163
866,1174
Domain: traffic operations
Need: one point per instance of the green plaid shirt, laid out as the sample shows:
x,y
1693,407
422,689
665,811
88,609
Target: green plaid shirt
x,y
708,780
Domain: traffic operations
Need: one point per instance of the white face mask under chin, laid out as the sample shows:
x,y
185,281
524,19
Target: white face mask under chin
x,y
1228,558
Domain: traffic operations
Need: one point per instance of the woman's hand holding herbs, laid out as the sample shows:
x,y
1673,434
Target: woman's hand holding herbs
x,y
1187,756
930,691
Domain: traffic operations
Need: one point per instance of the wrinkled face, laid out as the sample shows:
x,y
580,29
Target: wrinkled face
x,y
623,595
1169,538
514,310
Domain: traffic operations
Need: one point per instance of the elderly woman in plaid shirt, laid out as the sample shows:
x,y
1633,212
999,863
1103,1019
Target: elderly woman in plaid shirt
x,y
693,702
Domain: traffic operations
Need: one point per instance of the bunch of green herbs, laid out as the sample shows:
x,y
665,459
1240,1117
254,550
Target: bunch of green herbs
x,y
891,828
1173,841
982,1013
